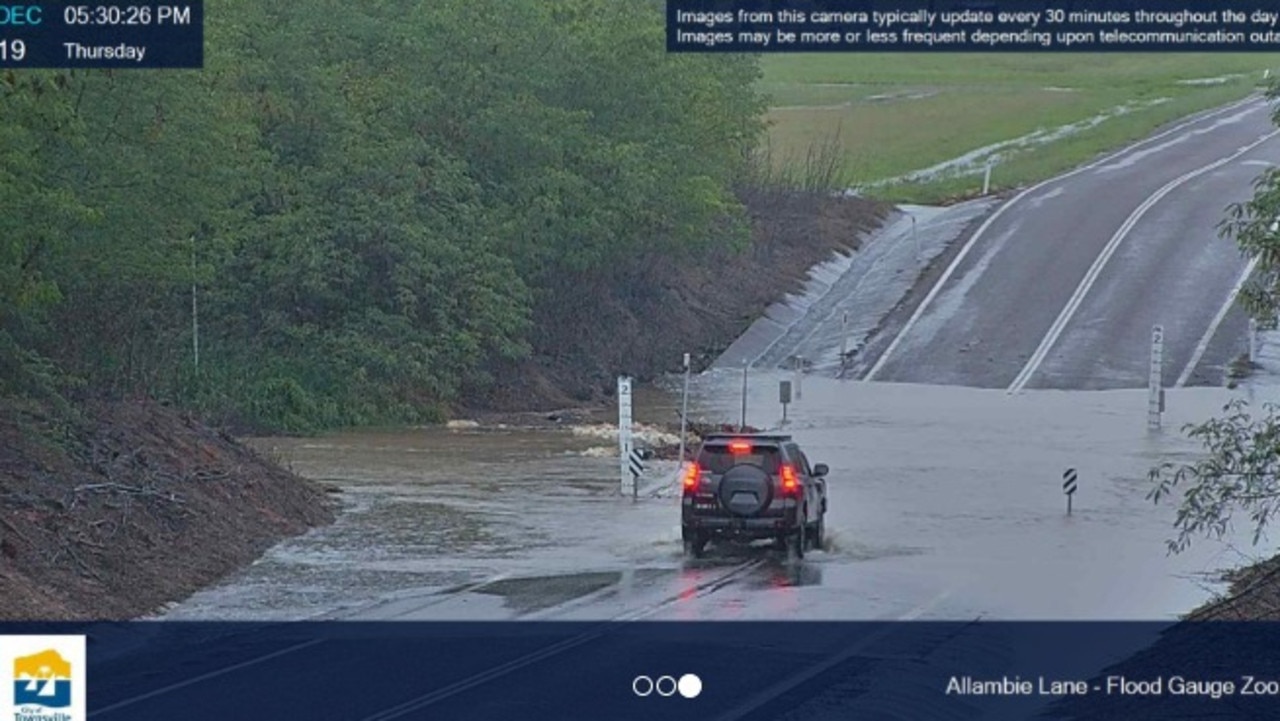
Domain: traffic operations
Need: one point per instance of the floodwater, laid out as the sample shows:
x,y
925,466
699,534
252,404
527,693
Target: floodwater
x,y
944,503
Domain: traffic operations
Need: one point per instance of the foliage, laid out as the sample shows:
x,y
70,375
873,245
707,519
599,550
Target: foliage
x,y
1253,225
356,210
1241,470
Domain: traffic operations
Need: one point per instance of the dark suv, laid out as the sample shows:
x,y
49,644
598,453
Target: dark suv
x,y
753,486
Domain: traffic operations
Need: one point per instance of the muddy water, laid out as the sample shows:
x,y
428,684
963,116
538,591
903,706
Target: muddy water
x,y
430,509
944,502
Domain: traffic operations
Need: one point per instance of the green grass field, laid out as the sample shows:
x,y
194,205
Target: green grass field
x,y
885,116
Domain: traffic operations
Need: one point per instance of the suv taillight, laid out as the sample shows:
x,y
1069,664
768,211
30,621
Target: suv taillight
x,y
691,474
790,483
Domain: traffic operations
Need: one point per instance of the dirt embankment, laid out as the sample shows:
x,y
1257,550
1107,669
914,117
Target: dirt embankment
x,y
131,507
1254,595
642,319
1220,641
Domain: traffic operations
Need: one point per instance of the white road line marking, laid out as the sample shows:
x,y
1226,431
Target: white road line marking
x,y
1073,304
1209,332
436,598
946,275
792,682
205,677
453,689
487,675
470,682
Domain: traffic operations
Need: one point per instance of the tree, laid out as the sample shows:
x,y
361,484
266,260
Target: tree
x,y
374,202
1241,471
37,121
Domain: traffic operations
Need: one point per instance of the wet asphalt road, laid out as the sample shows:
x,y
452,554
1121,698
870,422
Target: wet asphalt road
x,y
1061,286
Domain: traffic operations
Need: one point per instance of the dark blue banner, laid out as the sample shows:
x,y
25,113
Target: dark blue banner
x,y
133,35
640,670
758,26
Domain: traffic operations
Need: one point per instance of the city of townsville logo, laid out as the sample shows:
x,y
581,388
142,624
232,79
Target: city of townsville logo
x,y
47,681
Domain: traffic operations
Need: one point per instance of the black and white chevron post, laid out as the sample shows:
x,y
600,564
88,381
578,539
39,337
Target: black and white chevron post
x,y
636,464
1069,486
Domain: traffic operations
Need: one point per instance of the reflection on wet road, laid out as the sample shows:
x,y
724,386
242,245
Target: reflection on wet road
x,y
945,502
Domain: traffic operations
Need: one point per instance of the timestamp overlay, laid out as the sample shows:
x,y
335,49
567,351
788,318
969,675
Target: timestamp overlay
x,y
102,35
973,26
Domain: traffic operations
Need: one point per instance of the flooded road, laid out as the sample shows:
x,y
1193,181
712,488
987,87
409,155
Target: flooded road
x,y
945,503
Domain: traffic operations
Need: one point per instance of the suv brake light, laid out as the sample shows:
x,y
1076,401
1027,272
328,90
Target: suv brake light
x,y
691,474
739,448
790,484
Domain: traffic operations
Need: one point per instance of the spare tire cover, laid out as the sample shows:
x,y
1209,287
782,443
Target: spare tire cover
x,y
745,490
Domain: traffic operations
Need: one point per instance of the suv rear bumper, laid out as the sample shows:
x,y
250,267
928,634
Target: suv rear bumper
x,y
745,528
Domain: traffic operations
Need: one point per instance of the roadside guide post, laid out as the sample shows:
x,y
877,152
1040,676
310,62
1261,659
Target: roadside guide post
x,y
1253,340
799,371
1155,384
745,366
844,339
916,239
624,435
784,397
195,312
986,180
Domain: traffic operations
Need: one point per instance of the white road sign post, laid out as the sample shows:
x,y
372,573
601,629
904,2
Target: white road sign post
x,y
195,312
1155,386
628,482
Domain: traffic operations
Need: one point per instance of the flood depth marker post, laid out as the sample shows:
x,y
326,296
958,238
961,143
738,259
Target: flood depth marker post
x,y
624,435
684,413
1069,486
1155,384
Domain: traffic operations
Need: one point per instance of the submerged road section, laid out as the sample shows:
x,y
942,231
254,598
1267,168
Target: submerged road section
x,y
1061,285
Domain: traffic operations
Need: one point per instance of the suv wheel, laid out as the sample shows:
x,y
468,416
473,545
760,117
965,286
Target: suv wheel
x,y
819,534
694,545
796,543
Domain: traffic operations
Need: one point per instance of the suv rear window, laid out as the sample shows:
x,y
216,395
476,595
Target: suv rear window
x,y
718,459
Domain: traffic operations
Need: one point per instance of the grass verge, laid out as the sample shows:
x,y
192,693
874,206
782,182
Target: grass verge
x,y
892,116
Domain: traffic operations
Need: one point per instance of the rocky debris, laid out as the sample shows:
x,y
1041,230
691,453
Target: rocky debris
x,y
696,432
